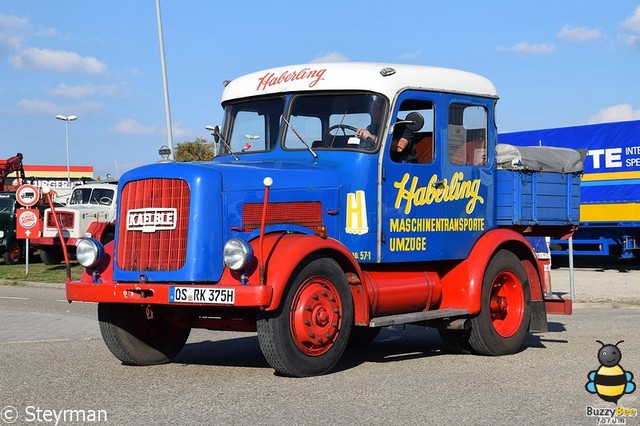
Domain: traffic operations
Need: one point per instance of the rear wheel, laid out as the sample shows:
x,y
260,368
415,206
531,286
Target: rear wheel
x,y
502,324
14,253
140,334
308,333
51,255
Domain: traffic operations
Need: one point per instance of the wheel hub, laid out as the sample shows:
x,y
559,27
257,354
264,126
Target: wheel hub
x,y
316,316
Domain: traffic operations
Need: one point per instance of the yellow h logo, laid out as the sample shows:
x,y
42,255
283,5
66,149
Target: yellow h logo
x,y
356,214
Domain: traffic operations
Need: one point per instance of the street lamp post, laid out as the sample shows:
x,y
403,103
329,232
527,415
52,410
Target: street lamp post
x,y
67,119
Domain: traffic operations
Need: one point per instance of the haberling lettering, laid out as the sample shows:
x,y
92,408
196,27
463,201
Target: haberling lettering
x,y
438,192
271,79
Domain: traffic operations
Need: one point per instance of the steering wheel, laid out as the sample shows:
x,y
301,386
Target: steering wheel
x,y
343,127
105,201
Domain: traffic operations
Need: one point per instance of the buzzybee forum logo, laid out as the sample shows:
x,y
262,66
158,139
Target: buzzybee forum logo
x,y
610,382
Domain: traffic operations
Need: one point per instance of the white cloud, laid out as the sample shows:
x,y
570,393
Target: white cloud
x,y
331,57
47,107
531,49
129,126
64,91
578,34
412,55
13,23
633,22
56,60
621,112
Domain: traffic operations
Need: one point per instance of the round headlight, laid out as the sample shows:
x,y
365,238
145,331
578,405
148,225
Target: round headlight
x,y
88,252
237,254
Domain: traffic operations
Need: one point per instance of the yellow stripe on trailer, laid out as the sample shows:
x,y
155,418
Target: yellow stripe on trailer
x,y
610,176
610,212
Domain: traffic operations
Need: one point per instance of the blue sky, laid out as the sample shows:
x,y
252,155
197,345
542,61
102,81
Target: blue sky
x,y
554,63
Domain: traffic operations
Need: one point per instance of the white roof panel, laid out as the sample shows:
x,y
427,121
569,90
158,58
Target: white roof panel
x,y
357,76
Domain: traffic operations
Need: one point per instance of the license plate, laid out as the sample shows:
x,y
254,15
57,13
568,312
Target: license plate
x,y
223,296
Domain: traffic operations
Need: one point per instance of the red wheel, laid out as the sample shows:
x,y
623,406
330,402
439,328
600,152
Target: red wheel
x,y
14,253
506,303
501,326
308,333
316,316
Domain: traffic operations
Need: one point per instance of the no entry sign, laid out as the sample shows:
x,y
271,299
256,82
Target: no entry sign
x,y
27,195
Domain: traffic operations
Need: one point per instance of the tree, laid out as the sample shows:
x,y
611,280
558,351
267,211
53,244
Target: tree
x,y
198,150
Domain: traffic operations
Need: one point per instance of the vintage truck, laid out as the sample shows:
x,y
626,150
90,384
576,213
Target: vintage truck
x,y
11,248
313,228
91,209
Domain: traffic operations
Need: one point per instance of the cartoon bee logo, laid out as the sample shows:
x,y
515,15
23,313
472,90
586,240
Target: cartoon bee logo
x,y
610,381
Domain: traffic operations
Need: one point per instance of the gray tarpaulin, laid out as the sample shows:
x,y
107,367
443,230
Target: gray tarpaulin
x,y
539,158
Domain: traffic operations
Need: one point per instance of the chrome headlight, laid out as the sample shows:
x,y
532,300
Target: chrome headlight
x,y
1,234
89,251
237,254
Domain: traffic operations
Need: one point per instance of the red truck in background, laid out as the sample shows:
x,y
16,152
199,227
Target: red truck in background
x,y
11,249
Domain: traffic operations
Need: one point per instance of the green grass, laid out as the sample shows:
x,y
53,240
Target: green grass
x,y
38,272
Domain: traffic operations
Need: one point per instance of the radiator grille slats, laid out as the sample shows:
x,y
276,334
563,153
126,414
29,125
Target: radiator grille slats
x,y
304,213
162,250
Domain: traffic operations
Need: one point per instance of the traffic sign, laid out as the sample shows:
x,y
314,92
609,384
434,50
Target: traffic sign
x,y
27,195
27,223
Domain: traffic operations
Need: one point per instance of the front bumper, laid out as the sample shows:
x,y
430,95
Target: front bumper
x,y
248,296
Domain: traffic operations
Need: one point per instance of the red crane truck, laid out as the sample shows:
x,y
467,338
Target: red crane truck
x,y
343,198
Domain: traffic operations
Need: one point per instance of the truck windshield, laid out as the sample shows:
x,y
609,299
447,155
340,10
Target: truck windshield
x,y
92,196
6,204
252,126
331,121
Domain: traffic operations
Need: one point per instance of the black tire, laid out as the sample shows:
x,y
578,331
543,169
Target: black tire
x,y
308,333
51,255
501,326
14,253
140,335
362,336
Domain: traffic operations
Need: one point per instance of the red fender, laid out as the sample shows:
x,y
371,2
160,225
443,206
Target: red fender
x,y
284,252
96,229
462,286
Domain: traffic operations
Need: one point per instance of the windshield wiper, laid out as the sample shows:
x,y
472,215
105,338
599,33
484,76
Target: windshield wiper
x,y
215,131
300,137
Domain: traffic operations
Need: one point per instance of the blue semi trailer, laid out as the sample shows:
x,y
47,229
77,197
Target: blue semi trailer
x,y
610,189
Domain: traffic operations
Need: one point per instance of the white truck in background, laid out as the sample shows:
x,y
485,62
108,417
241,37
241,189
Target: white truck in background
x,y
90,211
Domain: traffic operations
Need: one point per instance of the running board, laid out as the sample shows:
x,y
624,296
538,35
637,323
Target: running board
x,y
416,317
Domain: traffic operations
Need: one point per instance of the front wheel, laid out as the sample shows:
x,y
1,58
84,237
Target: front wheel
x,y
14,253
501,326
140,334
308,333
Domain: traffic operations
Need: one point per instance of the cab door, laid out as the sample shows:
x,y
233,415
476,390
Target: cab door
x,y
406,214
435,206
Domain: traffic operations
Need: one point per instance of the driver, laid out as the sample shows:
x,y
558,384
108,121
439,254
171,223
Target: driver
x,y
367,139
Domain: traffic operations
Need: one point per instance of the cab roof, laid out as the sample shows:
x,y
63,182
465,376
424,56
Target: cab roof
x,y
388,79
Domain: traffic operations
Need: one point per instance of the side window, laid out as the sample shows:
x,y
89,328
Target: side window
x,y
420,144
467,141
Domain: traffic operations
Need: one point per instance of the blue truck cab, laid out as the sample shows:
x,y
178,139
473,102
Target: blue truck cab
x,y
344,197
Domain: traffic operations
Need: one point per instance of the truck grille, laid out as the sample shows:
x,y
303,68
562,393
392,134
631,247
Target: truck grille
x,y
159,248
308,214
64,218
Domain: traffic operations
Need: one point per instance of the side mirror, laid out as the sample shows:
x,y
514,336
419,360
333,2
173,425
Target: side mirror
x,y
415,121
216,134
